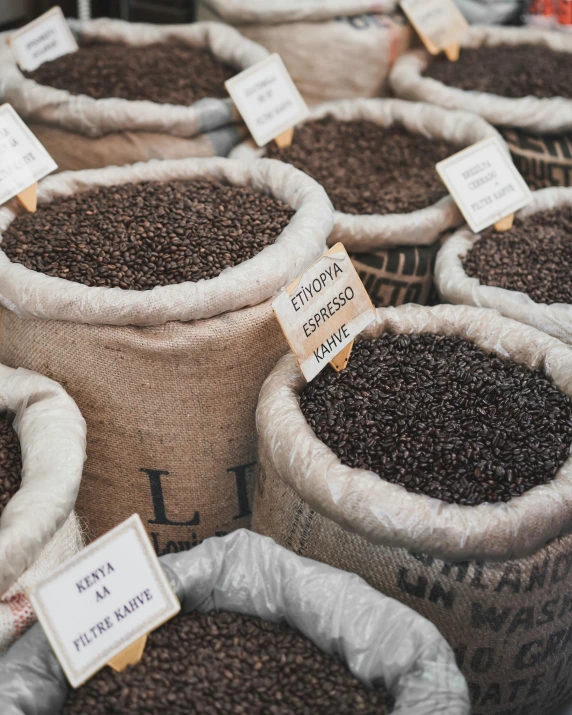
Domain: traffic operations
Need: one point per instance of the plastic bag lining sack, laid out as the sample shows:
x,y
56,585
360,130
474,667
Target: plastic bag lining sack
x,y
277,11
553,114
360,233
387,514
380,639
96,117
30,294
455,286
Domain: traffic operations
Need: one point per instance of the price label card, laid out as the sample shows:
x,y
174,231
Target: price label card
x,y
267,98
45,38
323,311
23,160
439,23
484,183
103,599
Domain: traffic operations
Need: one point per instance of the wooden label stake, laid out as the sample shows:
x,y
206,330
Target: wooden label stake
x,y
130,656
285,139
29,197
453,51
340,362
505,224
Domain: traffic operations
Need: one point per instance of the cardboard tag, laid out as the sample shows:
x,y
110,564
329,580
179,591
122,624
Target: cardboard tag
x,y
439,23
45,38
23,160
267,98
103,600
323,311
484,183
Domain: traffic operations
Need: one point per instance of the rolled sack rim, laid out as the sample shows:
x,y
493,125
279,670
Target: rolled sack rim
x,y
365,232
455,286
539,115
31,294
52,435
386,514
97,117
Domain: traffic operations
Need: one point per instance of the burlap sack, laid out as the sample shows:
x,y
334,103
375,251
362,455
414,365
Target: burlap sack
x,y
38,529
455,286
493,578
542,160
82,132
379,639
536,115
333,49
167,379
361,233
394,276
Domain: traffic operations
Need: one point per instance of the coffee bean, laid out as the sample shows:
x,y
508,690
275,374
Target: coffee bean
x,y
440,417
206,664
368,169
139,236
534,257
166,73
10,463
507,70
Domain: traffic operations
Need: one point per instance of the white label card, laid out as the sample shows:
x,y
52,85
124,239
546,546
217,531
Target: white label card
x,y
484,183
45,38
267,98
103,599
323,311
23,160
439,23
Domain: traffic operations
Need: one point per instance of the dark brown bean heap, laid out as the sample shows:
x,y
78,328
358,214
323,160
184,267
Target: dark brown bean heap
x,y
368,169
164,73
10,463
534,257
230,664
507,70
438,416
139,236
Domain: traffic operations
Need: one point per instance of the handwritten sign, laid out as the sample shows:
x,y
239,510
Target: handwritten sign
x,y
323,311
439,23
45,38
267,98
484,183
23,160
103,599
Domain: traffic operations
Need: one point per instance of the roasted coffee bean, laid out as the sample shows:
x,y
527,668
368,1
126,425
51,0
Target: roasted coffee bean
x,y
440,417
10,463
368,169
139,236
507,70
206,664
165,73
534,257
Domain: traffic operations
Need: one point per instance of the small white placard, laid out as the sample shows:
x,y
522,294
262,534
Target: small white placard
x,y
45,38
23,160
323,311
103,599
267,98
439,23
484,183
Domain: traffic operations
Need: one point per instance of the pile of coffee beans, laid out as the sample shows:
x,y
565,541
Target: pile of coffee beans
x,y
534,257
368,169
10,463
206,664
438,416
139,236
165,73
507,70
